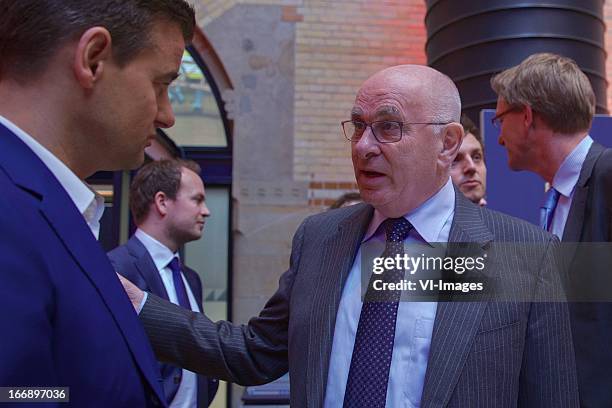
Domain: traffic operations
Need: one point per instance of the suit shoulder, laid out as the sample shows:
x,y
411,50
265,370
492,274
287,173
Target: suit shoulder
x,y
120,258
511,229
603,166
19,207
13,196
119,252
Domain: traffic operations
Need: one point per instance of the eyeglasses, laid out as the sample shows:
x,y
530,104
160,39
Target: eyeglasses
x,y
384,131
497,119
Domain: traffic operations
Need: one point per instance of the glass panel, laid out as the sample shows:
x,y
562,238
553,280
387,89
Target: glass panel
x,y
209,257
198,119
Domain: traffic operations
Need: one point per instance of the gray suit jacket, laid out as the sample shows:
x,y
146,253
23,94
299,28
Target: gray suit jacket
x,y
483,354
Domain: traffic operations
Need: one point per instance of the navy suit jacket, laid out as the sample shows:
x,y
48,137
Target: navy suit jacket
x,y
133,261
66,320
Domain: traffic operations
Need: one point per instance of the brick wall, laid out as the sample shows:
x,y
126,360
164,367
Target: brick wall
x,y
338,45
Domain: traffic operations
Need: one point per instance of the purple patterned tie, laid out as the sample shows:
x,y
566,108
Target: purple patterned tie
x,y
179,286
368,377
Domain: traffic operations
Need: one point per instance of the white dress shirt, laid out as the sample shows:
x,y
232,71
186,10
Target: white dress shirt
x,y
186,396
87,201
565,181
414,325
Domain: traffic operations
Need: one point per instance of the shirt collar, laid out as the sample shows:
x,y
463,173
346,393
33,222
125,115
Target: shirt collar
x,y
80,193
568,173
428,219
161,254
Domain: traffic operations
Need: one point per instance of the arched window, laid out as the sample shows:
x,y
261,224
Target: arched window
x,y
200,118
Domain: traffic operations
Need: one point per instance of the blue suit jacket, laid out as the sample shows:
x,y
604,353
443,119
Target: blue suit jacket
x,y
133,261
65,318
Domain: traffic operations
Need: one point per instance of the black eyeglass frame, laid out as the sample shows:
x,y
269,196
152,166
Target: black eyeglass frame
x,y
401,126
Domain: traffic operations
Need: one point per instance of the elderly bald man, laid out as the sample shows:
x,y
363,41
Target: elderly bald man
x,y
342,349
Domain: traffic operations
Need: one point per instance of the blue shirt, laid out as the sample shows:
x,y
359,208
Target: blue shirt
x,y
414,326
565,181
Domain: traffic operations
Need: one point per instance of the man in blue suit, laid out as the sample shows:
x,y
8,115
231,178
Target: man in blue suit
x,y
167,199
83,86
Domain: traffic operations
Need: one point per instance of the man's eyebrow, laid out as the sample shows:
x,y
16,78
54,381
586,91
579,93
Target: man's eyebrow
x,y
388,111
476,150
356,113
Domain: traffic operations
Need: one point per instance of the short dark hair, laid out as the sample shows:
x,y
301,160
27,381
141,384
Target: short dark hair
x,y
153,177
32,31
470,127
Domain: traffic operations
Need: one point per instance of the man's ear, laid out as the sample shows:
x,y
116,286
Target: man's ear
x,y
451,142
94,49
160,203
528,117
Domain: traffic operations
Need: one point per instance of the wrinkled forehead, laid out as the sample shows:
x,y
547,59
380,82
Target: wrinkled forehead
x,y
381,101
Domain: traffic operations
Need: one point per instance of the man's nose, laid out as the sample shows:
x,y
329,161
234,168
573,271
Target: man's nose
x,y
367,145
205,211
165,115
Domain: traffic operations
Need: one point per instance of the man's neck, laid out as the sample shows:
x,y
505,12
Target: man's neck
x,y
46,121
159,235
554,152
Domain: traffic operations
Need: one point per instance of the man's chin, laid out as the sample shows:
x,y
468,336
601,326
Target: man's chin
x,y
474,197
376,198
513,165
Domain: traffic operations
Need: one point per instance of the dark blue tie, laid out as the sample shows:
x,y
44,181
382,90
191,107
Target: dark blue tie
x,y
547,210
368,377
179,286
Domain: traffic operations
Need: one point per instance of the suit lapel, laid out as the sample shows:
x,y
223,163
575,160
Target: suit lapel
x,y
146,267
456,323
196,289
575,218
30,174
338,253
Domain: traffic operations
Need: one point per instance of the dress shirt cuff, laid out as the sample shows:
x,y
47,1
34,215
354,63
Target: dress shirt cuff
x,y
142,303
